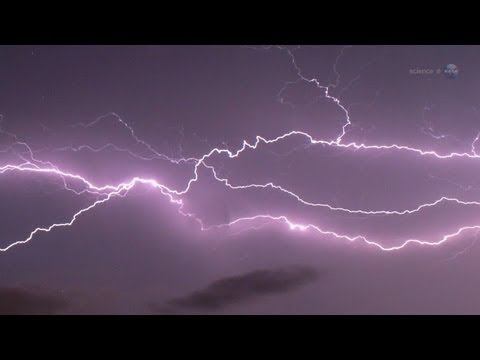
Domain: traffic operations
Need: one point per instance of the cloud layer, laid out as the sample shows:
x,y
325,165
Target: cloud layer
x,y
231,290
21,301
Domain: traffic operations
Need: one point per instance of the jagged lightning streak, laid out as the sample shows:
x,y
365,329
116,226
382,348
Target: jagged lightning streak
x,y
340,209
108,191
304,227
156,155
57,225
116,190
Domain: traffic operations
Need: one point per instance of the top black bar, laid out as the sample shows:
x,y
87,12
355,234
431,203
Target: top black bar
x,y
323,26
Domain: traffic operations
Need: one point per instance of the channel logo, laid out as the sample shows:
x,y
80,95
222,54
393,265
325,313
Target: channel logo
x,y
451,71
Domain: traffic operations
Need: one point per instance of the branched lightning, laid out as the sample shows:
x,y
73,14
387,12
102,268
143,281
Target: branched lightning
x,y
30,164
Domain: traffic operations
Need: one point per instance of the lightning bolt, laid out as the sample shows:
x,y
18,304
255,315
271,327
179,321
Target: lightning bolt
x,y
31,164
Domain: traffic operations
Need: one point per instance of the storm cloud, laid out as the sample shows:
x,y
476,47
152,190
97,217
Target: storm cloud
x,y
231,290
22,301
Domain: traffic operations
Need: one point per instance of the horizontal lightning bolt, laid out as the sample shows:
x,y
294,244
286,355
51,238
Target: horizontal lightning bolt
x,y
106,192
303,227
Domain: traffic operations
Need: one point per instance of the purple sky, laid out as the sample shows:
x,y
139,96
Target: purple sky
x,y
113,113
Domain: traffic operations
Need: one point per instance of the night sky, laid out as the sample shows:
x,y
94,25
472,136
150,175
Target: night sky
x,y
343,181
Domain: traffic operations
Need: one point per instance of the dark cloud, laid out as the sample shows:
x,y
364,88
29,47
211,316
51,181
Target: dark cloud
x,y
235,289
22,301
